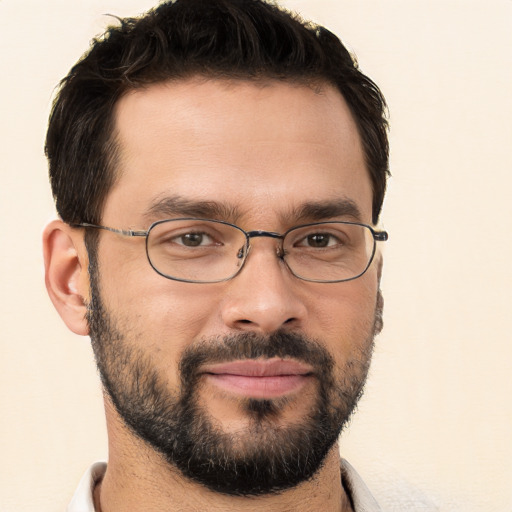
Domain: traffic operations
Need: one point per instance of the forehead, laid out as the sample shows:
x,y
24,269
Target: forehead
x,y
253,147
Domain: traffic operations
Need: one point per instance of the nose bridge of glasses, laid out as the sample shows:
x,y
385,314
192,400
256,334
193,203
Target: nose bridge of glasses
x,y
259,232
268,234
244,251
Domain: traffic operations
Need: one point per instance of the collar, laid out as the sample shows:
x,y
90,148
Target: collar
x,y
360,496
83,498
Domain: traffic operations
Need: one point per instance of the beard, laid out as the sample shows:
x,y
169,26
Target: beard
x,y
263,458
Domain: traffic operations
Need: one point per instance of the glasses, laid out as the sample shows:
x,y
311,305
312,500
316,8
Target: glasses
x,y
211,251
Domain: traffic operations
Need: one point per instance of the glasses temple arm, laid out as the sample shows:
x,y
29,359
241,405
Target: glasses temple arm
x,y
125,232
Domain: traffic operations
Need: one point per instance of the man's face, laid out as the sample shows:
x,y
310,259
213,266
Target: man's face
x,y
255,375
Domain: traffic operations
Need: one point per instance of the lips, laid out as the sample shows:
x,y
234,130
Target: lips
x,y
262,378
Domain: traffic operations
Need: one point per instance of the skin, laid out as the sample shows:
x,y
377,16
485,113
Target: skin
x,y
261,150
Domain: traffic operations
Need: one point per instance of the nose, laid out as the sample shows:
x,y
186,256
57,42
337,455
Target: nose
x,y
264,296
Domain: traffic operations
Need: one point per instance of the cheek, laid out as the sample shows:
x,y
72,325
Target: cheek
x,y
168,312
346,315
162,315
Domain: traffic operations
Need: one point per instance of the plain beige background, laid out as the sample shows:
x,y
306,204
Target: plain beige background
x,y
437,414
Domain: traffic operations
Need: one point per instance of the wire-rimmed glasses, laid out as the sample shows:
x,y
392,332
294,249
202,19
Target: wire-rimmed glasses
x,y
210,251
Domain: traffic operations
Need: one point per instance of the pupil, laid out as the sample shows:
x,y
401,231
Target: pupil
x,y
192,239
318,240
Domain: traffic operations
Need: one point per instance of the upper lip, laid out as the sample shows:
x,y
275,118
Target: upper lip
x,y
274,367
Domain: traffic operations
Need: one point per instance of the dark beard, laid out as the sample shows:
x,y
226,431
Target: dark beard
x,y
264,458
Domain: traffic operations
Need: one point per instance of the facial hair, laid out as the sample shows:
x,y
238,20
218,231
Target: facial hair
x,y
266,457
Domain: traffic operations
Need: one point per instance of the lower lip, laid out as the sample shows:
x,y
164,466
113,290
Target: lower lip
x,y
259,387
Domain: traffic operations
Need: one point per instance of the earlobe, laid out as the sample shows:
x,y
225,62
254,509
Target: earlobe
x,y
66,274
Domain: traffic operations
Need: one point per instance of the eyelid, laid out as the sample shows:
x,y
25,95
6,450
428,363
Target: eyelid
x,y
333,230
184,232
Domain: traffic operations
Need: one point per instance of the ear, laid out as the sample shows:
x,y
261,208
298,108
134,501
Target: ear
x,y
66,274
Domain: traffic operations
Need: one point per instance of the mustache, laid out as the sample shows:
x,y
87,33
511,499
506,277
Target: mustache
x,y
250,345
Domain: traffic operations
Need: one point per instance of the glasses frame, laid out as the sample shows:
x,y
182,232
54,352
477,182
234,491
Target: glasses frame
x,y
378,236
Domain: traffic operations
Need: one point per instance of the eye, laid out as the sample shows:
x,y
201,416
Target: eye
x,y
195,239
319,240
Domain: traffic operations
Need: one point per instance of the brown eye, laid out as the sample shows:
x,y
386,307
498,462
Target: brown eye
x,y
192,239
318,240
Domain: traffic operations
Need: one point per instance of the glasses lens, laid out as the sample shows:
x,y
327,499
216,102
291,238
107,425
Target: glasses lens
x,y
329,252
196,250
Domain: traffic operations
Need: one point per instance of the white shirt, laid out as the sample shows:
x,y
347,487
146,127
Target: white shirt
x,y
361,497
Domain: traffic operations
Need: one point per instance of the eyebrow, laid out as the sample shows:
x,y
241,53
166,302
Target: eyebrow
x,y
313,211
174,206
324,210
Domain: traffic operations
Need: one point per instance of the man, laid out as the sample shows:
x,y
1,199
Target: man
x,y
219,168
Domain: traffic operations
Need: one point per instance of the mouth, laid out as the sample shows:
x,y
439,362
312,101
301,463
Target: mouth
x,y
259,378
